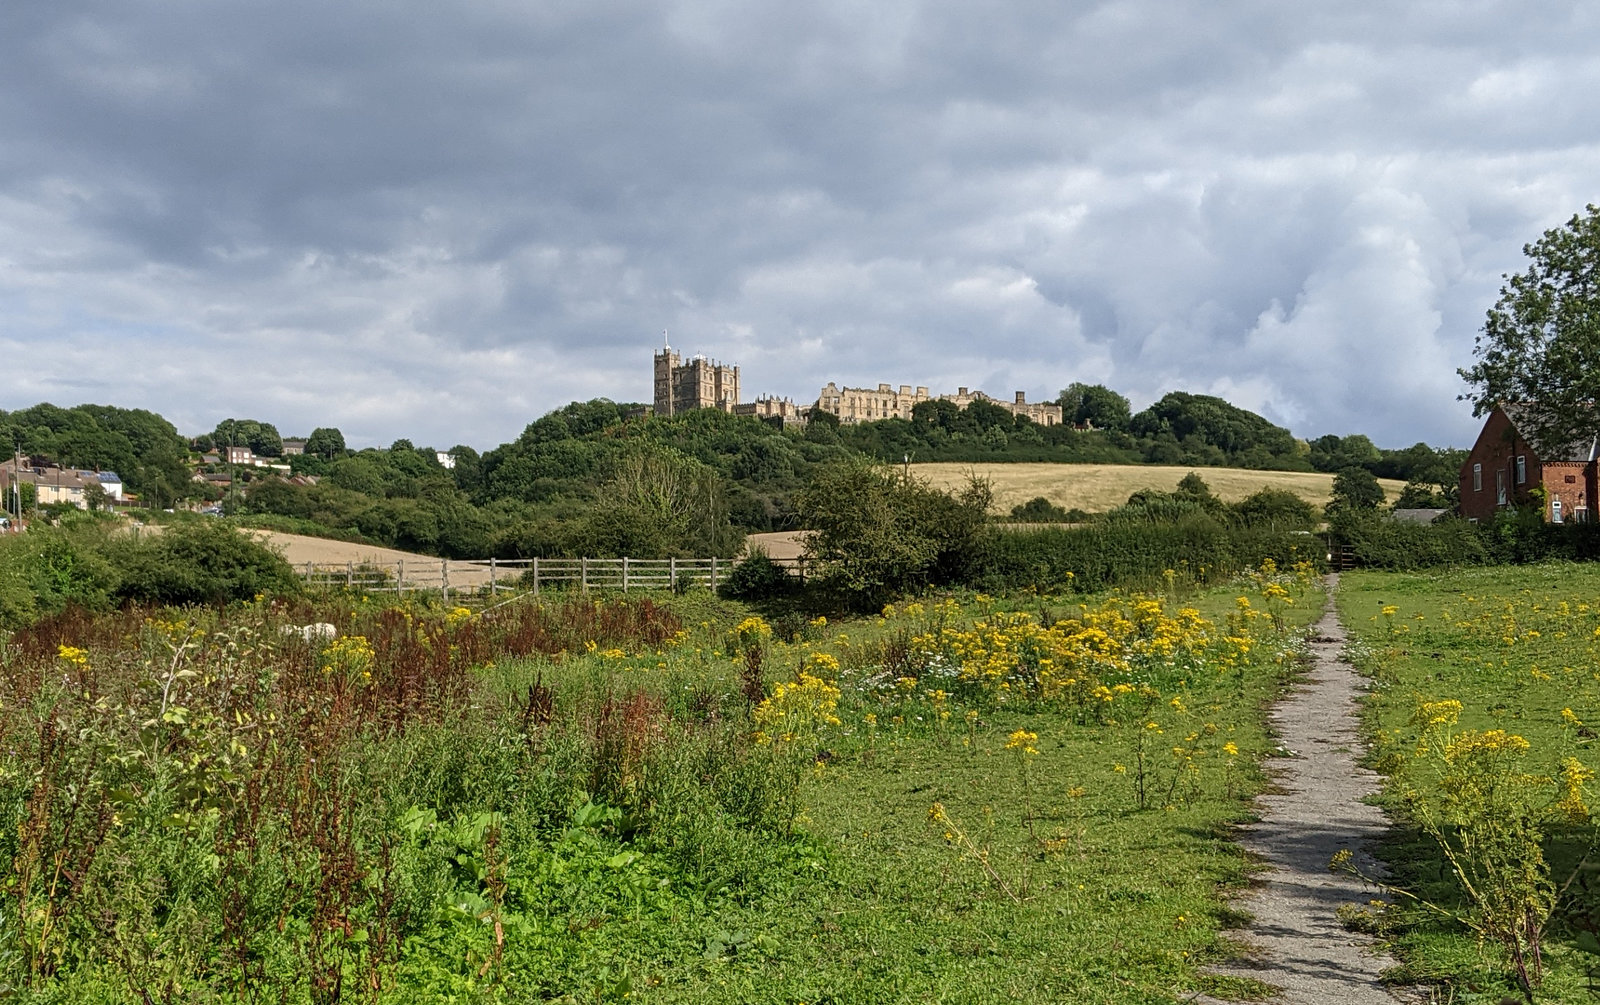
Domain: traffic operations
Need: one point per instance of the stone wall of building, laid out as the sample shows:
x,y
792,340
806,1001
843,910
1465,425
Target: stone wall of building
x,y
1042,413
860,404
699,383
766,407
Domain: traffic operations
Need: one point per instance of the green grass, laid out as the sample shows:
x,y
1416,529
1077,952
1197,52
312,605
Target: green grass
x,y
1516,646
1118,905
680,890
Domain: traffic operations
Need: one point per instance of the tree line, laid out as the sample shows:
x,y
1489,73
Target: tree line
x,y
607,478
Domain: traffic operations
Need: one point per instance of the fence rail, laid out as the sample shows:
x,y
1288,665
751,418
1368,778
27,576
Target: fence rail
x,y
488,578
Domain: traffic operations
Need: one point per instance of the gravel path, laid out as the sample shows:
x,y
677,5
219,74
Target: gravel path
x,y
1314,810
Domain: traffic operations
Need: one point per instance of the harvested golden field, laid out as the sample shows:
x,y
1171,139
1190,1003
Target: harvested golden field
x,y
1096,488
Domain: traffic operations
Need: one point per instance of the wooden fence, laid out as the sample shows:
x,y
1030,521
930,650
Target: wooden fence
x,y
487,578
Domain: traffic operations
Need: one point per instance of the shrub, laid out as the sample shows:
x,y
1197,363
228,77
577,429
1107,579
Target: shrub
x,y
1277,508
1382,543
201,562
1119,552
757,577
1041,510
49,568
881,533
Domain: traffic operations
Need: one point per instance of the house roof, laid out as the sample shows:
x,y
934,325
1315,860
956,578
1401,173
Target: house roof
x,y
1418,515
110,476
1581,450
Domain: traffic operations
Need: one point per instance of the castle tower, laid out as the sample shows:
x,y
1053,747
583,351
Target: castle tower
x,y
666,365
699,383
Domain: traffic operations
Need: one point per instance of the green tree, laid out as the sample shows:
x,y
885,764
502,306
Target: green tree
x,y
822,427
139,445
1335,453
326,442
1277,508
1094,404
1422,495
1540,343
261,437
1208,430
660,503
1195,487
881,533
1355,490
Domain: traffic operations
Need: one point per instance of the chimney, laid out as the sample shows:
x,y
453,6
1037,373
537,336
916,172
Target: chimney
x,y
961,392
1021,398
905,388
883,387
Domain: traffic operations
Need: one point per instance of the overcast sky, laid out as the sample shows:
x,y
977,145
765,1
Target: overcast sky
x,y
440,220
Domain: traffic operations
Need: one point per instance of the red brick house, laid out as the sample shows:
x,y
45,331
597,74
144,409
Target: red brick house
x,y
1503,470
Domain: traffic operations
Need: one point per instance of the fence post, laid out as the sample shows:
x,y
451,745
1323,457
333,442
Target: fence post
x,y
624,573
801,566
493,580
713,574
536,576
444,577
308,572
349,575
583,575
672,573
399,576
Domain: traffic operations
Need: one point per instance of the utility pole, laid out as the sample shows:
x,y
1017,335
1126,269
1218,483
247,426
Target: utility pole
x,y
16,483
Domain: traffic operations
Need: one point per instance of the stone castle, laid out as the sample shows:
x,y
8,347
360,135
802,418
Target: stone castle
x,y
704,383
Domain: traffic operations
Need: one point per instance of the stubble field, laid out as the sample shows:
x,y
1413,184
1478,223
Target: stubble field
x,y
1095,488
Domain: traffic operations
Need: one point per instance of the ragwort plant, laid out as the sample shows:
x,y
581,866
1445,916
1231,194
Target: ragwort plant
x,y
1491,772
1473,793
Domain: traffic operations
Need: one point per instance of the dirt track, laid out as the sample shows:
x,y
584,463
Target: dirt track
x,y
424,570
1317,808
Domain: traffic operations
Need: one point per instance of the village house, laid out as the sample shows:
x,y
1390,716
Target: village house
x,y
111,482
1505,471
52,484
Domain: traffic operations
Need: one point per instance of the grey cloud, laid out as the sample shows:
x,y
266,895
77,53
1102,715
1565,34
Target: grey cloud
x,y
439,221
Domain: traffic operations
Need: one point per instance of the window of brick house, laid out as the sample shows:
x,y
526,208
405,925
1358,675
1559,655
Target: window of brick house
x,y
1522,469
1477,478
1499,487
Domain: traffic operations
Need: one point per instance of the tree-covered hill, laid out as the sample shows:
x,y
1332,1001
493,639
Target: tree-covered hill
x,y
141,446
599,477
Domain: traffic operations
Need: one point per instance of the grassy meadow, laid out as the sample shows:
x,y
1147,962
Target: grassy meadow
x,y
1096,488
1484,682
663,799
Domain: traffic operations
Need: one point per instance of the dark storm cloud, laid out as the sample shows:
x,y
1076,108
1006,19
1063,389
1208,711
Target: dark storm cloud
x,y
438,221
